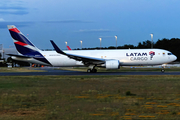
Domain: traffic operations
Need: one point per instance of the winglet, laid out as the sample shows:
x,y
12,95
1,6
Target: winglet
x,y
58,50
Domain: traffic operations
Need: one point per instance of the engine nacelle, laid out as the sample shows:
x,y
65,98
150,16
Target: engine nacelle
x,y
112,64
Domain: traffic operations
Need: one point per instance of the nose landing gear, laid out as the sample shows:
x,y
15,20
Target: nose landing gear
x,y
163,68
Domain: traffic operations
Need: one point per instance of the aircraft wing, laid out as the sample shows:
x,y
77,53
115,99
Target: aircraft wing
x,y
85,59
21,56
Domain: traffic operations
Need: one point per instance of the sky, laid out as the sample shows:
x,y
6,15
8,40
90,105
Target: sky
x,y
73,21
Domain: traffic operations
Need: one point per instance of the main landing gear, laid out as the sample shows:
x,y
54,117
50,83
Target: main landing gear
x,y
93,70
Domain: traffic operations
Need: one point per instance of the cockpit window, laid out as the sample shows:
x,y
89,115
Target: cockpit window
x,y
169,53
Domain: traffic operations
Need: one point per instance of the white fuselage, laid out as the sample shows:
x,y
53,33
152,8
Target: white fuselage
x,y
126,57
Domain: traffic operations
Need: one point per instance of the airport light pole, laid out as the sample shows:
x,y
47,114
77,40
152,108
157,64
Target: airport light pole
x,y
81,44
116,40
151,40
66,44
100,42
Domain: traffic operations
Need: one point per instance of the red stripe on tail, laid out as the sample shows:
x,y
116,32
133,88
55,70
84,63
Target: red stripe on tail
x,y
20,43
14,30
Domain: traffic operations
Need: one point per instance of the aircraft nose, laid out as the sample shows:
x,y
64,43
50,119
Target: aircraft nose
x,y
174,57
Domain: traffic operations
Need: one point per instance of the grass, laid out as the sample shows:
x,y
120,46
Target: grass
x,y
89,97
19,69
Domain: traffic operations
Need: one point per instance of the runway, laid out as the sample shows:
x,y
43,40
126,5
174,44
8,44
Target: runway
x,y
67,72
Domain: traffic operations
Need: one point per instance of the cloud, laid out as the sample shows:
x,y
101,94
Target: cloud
x,y
14,12
10,7
69,21
1,20
95,30
3,24
106,36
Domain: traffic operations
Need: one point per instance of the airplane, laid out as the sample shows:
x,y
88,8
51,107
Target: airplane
x,y
109,59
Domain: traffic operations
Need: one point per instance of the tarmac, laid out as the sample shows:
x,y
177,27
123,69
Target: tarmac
x,y
67,72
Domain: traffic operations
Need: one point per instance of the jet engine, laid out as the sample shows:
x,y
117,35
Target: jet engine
x,y
112,64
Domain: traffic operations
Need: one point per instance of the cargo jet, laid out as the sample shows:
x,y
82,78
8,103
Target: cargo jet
x,y
109,59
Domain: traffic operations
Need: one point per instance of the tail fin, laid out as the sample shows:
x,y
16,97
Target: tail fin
x,y
68,47
22,44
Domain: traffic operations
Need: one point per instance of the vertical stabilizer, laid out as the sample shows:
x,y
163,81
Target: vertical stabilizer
x,y
25,47
22,44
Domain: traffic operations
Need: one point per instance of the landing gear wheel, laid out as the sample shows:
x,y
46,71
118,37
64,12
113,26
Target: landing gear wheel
x,y
89,71
162,70
94,70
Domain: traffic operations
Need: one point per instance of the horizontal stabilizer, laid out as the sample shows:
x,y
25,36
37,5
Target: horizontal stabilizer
x,y
21,56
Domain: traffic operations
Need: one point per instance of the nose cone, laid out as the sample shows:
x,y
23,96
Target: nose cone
x,y
174,58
